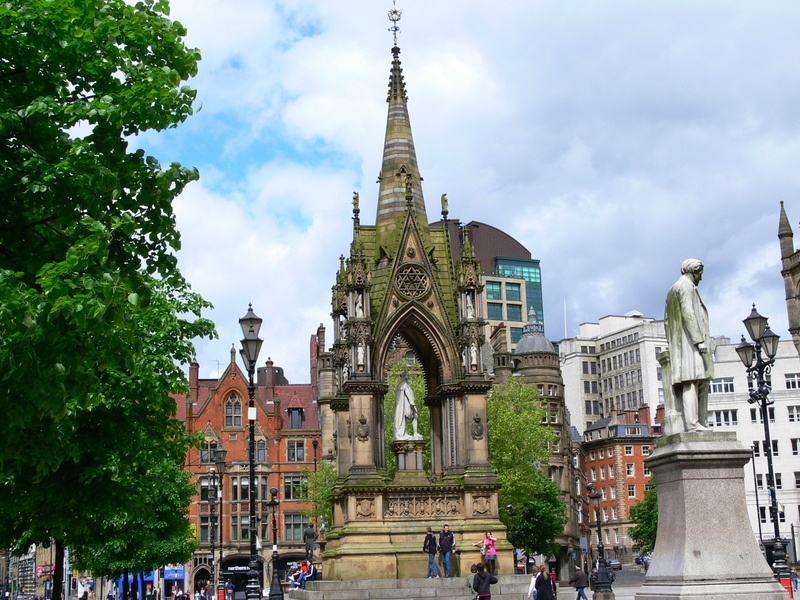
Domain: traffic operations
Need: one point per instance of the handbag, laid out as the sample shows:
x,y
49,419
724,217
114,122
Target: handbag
x,y
483,550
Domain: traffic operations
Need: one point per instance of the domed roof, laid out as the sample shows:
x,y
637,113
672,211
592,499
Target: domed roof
x,y
533,339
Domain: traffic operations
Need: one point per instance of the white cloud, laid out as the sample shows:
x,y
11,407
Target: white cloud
x,y
612,139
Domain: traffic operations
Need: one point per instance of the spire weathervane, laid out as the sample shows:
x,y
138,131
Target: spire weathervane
x,y
394,17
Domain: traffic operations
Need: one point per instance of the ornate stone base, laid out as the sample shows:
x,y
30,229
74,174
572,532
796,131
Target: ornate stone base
x,y
705,546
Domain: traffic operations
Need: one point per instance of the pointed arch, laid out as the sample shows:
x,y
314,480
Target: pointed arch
x,y
435,347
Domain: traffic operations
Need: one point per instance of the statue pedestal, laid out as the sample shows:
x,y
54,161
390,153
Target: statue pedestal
x,y
409,454
705,547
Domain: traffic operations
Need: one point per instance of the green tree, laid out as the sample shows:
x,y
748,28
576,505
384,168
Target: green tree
x,y
320,487
645,515
519,444
94,310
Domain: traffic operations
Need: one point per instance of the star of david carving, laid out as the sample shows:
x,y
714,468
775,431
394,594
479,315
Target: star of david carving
x,y
412,281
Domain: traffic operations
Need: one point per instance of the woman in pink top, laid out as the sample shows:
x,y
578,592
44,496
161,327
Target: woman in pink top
x,y
489,552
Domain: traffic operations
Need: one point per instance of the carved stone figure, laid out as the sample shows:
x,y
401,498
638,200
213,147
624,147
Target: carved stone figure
x,y
405,411
470,309
691,362
359,306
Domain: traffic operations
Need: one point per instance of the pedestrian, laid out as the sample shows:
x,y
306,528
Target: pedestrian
x,y
545,589
447,545
581,581
534,578
429,547
489,551
481,583
471,579
310,538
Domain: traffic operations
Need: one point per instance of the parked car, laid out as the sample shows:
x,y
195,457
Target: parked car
x,y
615,564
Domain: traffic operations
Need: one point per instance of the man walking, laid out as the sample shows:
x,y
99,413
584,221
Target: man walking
x,y
481,583
429,546
447,544
581,581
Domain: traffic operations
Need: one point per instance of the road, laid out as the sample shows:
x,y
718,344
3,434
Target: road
x,y
627,583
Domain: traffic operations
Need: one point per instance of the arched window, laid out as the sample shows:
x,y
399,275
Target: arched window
x,y
233,411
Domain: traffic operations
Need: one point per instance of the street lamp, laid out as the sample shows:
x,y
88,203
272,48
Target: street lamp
x,y
275,589
758,368
603,581
315,443
251,345
212,502
219,460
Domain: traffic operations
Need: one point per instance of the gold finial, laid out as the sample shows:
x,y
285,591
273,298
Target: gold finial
x,y
394,17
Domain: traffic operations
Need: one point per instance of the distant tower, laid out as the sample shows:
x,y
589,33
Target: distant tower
x,y
790,263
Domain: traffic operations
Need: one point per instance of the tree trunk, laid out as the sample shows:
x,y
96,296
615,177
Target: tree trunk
x,y
58,572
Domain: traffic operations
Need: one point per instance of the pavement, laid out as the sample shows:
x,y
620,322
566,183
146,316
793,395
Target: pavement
x,y
627,583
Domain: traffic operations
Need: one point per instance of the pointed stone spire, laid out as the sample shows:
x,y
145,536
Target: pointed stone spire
x,y
785,234
399,169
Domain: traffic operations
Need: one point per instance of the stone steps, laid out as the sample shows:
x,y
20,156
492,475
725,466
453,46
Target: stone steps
x,y
509,587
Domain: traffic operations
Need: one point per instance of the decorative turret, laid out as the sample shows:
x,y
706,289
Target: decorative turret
x,y
790,269
785,234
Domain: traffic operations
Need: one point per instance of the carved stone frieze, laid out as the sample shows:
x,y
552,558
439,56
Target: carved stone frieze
x,y
412,281
362,429
481,505
400,507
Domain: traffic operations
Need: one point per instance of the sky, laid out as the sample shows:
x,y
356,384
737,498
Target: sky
x,y
613,139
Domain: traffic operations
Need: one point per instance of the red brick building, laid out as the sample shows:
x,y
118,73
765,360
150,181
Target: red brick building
x,y
615,450
287,428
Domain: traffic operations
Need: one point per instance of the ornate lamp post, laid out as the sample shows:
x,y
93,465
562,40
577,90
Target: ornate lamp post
x,y
275,589
758,368
219,461
212,503
315,444
603,582
251,346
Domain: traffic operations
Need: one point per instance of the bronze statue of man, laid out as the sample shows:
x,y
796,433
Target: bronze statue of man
x,y
691,361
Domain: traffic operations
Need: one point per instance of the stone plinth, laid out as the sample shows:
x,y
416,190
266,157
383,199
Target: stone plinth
x,y
705,546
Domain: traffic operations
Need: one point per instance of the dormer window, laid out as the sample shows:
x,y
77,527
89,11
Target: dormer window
x,y
295,418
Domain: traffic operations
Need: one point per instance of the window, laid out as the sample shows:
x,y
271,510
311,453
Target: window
x,y
760,481
204,528
755,415
632,491
610,452
295,451
586,387
293,487
493,290
233,411
516,334
261,452
591,455
512,292
797,480
295,418
245,527
794,414
630,469
778,481
628,450
603,478
722,385
514,312
614,512
294,526
593,473
645,450
774,447
586,367
613,492
756,448
646,471
611,471
593,366
494,311
792,381
605,513
603,493
209,453
204,489
795,446
723,418
601,453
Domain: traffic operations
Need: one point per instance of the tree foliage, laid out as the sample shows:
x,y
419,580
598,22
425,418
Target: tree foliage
x,y
320,487
95,313
519,444
645,515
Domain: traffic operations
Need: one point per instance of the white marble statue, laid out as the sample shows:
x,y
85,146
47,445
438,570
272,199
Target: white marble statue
x,y
405,410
